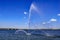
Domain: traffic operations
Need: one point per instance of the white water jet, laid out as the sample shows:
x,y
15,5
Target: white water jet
x,y
46,34
22,31
32,7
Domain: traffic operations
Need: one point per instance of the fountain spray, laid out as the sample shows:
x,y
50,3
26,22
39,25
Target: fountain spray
x,y
32,7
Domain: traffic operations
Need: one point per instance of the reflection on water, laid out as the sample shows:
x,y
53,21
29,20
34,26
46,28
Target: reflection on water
x,y
35,35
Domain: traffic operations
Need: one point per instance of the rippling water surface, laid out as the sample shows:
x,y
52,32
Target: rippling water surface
x,y
35,35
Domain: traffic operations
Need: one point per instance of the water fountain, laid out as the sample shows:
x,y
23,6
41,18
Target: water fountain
x,y
17,32
32,7
42,33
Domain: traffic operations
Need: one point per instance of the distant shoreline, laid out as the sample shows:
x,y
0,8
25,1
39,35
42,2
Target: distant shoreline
x,y
25,29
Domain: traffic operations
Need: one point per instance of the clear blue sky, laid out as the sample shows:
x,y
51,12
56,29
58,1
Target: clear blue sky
x,y
12,13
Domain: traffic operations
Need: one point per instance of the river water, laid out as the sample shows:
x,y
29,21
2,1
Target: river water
x,y
35,35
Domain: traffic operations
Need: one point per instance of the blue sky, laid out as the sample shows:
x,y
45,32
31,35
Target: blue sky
x,y
12,13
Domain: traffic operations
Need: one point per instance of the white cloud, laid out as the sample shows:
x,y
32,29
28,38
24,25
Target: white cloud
x,y
58,14
53,20
25,13
44,23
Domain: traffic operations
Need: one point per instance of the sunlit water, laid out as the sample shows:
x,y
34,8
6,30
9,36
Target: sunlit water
x,y
35,35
